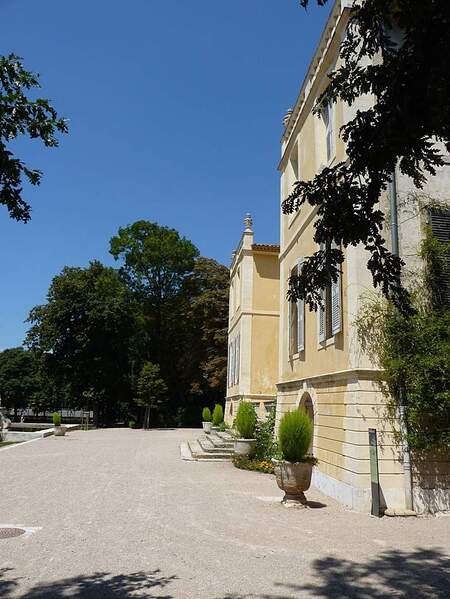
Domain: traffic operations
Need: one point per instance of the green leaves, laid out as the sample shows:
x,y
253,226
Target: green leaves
x,y
151,388
397,53
20,115
295,435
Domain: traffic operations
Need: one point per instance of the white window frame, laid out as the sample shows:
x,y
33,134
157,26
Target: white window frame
x,y
300,316
328,115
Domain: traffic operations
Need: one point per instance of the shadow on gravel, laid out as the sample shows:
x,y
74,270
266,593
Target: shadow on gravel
x,y
100,585
419,574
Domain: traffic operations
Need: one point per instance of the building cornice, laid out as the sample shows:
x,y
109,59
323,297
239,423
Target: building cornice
x,y
337,19
358,373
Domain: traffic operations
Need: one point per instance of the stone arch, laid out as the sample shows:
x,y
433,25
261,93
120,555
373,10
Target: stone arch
x,y
306,403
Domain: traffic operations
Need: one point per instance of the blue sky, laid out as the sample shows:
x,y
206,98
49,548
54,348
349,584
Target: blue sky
x,y
175,112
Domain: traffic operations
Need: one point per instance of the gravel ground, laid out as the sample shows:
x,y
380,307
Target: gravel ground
x,y
116,514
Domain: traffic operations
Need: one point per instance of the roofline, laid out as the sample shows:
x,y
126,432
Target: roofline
x,y
340,8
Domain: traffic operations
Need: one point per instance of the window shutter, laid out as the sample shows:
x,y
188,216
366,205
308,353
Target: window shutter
x,y
232,364
321,310
321,317
229,365
238,356
440,226
336,304
300,317
289,327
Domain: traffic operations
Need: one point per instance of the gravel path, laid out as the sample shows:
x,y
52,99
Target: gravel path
x,y
116,514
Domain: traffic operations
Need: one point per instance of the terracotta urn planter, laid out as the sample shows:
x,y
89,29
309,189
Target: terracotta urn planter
x,y
60,431
244,447
294,478
207,427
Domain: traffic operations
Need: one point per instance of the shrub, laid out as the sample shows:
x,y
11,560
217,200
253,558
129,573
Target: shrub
x,y
223,426
206,415
266,445
294,436
217,416
132,423
245,463
56,417
245,421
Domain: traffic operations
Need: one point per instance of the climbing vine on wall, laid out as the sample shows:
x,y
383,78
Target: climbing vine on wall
x,y
413,350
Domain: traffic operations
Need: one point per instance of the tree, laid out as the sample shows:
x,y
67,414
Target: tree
x,y
18,378
151,390
20,115
208,289
397,51
82,334
155,263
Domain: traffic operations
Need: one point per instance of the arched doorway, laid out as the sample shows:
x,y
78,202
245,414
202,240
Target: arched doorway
x,y
306,404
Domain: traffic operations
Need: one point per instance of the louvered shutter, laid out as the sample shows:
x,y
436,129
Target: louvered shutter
x,y
232,364
336,304
440,226
321,317
238,356
229,366
290,327
300,317
321,311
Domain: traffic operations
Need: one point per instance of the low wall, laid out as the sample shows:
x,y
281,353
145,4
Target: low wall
x,y
17,436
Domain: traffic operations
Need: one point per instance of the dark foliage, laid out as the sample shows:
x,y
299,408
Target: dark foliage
x,y
20,115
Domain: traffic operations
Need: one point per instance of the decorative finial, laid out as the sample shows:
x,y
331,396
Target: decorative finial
x,y
248,222
287,116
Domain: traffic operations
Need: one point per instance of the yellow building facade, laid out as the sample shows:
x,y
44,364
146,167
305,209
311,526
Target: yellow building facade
x,y
299,358
253,325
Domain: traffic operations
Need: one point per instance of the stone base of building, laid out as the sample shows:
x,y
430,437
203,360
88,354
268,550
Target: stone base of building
x,y
343,406
263,405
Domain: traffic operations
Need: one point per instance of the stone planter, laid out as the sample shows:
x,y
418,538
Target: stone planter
x,y
294,478
244,447
60,431
207,427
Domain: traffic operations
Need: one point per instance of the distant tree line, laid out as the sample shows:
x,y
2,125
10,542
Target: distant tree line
x,y
145,342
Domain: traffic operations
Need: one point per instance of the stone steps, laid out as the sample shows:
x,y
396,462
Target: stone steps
x,y
218,442
208,446
194,451
224,436
214,447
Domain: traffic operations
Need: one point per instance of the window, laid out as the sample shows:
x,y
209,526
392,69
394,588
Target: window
x,y
234,357
238,288
230,348
238,357
330,314
328,118
440,227
292,175
296,320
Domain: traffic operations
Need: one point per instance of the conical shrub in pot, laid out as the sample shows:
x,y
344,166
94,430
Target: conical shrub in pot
x,y
206,420
60,430
217,417
245,424
293,472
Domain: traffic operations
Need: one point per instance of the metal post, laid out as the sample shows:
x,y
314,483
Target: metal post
x,y
402,409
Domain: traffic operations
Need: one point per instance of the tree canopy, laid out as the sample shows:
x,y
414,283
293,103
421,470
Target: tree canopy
x,y
83,334
398,52
18,377
150,335
22,115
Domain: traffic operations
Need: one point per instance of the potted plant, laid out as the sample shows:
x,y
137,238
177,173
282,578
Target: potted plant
x,y
217,416
60,429
293,471
245,424
206,420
